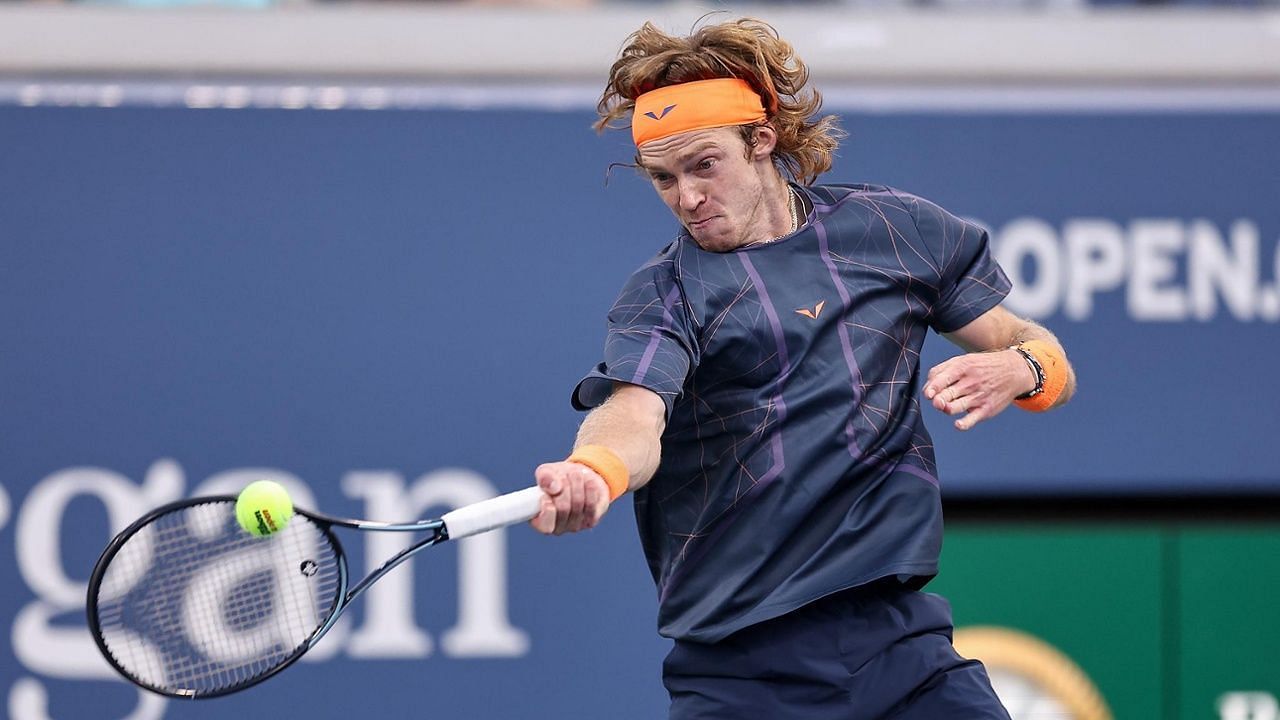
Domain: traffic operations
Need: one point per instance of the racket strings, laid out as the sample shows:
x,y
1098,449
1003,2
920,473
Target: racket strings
x,y
193,605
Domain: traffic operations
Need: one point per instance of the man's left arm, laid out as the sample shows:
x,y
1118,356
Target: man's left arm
x,y
983,382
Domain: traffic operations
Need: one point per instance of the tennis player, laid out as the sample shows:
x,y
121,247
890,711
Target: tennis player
x,y
760,395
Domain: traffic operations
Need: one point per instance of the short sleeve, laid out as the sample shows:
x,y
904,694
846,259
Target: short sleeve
x,y
650,341
971,282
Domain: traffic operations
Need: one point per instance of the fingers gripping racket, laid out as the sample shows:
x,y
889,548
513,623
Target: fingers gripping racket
x,y
187,604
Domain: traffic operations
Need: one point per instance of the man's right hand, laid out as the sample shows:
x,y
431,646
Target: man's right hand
x,y
576,498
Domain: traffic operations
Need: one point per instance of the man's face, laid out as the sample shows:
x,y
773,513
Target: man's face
x,y
712,184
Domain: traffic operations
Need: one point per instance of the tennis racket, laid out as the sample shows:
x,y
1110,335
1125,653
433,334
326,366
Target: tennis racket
x,y
187,604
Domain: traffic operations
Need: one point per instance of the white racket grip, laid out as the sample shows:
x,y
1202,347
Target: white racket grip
x,y
493,513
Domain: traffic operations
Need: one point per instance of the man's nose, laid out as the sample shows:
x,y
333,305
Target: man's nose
x,y
691,196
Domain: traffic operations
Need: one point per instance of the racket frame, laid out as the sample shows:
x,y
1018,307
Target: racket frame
x,y
342,596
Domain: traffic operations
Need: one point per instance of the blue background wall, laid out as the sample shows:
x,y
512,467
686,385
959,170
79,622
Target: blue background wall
x,y
185,293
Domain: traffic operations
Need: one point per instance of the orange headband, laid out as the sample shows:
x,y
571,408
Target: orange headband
x,y
694,105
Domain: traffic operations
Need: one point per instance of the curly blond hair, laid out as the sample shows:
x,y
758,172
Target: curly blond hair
x,y
747,49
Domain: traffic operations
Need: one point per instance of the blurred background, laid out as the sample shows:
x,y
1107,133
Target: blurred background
x,y
366,249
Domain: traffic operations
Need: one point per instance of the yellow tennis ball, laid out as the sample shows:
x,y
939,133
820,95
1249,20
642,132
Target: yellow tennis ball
x,y
263,508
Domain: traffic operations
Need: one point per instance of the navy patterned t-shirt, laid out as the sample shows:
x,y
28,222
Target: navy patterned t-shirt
x,y
795,461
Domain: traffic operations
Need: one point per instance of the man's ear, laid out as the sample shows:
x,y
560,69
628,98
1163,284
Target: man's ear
x,y
766,141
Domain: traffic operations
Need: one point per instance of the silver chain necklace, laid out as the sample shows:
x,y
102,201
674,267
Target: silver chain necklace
x,y
792,201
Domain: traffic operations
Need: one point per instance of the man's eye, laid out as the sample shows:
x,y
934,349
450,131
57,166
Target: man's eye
x,y
706,164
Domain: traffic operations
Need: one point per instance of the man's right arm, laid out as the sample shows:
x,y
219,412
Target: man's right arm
x,y
630,424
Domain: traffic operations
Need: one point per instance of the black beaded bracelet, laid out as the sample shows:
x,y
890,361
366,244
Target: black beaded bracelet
x,y
1035,368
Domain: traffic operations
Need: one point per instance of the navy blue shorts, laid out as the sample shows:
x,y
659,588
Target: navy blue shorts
x,y
872,653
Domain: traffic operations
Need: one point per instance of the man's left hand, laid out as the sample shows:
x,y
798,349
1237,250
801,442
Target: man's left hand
x,y
978,385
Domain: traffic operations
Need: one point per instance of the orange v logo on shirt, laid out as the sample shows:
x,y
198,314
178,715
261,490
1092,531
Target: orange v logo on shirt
x,y
814,313
665,110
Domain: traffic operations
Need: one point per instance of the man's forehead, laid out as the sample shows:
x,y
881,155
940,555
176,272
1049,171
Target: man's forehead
x,y
678,147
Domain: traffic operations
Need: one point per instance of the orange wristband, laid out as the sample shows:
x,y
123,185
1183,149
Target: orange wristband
x,y
1053,365
607,465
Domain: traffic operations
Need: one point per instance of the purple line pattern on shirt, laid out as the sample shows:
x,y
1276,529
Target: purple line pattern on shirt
x,y
726,519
